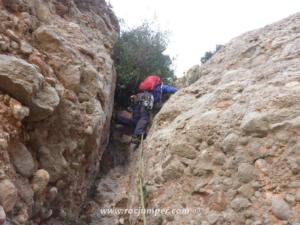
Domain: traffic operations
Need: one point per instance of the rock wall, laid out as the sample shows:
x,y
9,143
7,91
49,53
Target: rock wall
x,y
229,143
57,84
190,77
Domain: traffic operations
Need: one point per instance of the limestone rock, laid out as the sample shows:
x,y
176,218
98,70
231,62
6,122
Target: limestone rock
x,y
47,61
280,208
22,81
40,181
243,102
21,158
8,195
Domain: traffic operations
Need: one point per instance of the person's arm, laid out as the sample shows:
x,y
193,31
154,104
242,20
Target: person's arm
x,y
166,89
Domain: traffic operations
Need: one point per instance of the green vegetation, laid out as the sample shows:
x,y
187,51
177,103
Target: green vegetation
x,y
139,52
210,54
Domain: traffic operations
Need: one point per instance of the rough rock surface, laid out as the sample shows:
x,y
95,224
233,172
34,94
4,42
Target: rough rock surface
x,y
8,195
229,143
57,84
2,215
22,81
21,158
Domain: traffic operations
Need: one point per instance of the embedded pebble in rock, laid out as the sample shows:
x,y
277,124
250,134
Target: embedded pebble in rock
x,y
283,136
173,171
4,46
246,190
295,166
14,45
230,142
297,196
213,218
26,48
53,193
21,158
23,216
262,166
8,195
219,159
280,208
3,143
255,124
246,172
2,215
290,199
199,186
20,112
40,180
294,184
240,203
184,150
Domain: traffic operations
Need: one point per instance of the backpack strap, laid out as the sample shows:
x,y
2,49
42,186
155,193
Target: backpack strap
x,y
161,92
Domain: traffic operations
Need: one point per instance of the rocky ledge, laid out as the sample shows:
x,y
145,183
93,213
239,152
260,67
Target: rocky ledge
x,y
57,84
229,143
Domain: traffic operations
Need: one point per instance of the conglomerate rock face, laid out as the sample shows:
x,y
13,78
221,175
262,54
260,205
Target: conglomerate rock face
x,y
229,144
57,85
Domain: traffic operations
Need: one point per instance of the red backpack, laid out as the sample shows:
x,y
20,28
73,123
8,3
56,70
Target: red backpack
x,y
150,83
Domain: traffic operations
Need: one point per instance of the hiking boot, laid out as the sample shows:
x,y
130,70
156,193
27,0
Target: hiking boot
x,y
133,146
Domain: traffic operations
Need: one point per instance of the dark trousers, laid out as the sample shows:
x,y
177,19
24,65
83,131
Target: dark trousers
x,y
140,119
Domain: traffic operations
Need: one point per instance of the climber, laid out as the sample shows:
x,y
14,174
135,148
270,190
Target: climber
x,y
151,91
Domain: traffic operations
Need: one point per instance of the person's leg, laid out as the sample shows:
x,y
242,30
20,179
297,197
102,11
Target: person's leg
x,y
142,122
125,120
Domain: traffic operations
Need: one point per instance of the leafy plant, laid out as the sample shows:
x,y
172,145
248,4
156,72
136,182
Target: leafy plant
x,y
138,53
209,54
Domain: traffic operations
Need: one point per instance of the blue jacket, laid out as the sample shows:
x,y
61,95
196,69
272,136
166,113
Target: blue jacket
x,y
162,89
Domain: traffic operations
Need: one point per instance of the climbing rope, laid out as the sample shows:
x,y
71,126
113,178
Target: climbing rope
x,y
141,180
